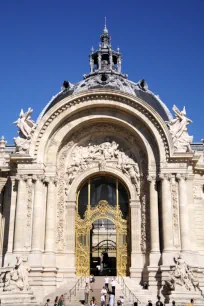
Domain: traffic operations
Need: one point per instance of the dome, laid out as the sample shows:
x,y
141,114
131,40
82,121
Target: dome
x,y
105,73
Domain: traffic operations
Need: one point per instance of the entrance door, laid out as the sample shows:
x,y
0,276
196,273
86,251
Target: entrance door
x,y
87,257
103,247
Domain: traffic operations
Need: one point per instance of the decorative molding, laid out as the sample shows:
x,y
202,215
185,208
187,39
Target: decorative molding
x,y
29,186
175,214
106,96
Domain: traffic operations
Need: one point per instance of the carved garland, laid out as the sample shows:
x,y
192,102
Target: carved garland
x,y
61,196
176,231
29,186
98,97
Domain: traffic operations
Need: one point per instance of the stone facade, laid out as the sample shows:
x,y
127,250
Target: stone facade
x,y
97,127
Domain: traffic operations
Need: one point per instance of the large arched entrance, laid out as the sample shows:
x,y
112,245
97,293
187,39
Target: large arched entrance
x,y
102,227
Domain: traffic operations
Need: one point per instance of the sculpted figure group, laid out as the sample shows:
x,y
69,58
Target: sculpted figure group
x,y
26,128
106,152
182,275
16,279
179,131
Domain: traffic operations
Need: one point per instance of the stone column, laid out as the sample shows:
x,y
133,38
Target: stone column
x,y
20,218
50,230
2,184
167,228
70,217
136,254
183,212
154,222
38,214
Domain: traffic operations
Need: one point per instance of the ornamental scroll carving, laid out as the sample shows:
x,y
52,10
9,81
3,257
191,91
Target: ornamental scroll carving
x,y
29,186
175,203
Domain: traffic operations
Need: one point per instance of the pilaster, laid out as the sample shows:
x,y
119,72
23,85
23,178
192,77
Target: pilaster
x,y
50,230
167,226
19,234
136,253
37,244
154,221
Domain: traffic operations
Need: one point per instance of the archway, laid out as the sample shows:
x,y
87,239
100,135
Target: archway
x,y
102,209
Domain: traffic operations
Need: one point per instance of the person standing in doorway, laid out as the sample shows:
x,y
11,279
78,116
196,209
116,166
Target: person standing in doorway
x,y
86,293
113,285
107,282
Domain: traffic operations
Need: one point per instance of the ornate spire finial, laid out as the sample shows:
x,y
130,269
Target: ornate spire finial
x,y
105,31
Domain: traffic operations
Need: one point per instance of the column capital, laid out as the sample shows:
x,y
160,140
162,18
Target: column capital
x,y
182,176
21,177
38,177
50,179
152,178
165,176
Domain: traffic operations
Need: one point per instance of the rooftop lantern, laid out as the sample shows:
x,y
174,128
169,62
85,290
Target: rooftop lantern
x,y
105,59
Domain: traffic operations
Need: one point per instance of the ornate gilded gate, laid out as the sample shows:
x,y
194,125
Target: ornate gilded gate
x,y
83,227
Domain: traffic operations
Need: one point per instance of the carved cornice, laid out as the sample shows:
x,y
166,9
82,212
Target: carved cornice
x,y
137,104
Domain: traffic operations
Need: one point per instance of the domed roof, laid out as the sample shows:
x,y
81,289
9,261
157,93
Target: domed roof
x,y
105,73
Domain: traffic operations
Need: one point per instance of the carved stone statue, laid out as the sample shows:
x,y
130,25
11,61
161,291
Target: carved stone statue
x,y
26,128
25,124
179,131
17,277
182,275
133,171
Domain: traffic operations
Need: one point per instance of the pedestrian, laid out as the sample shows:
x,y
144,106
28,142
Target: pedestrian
x,y
159,303
91,281
149,303
103,301
56,301
191,303
118,303
47,302
107,282
82,302
113,285
122,300
61,301
104,291
135,304
173,303
111,299
86,293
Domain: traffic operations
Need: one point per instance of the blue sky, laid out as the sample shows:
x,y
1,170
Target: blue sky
x,y
44,43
